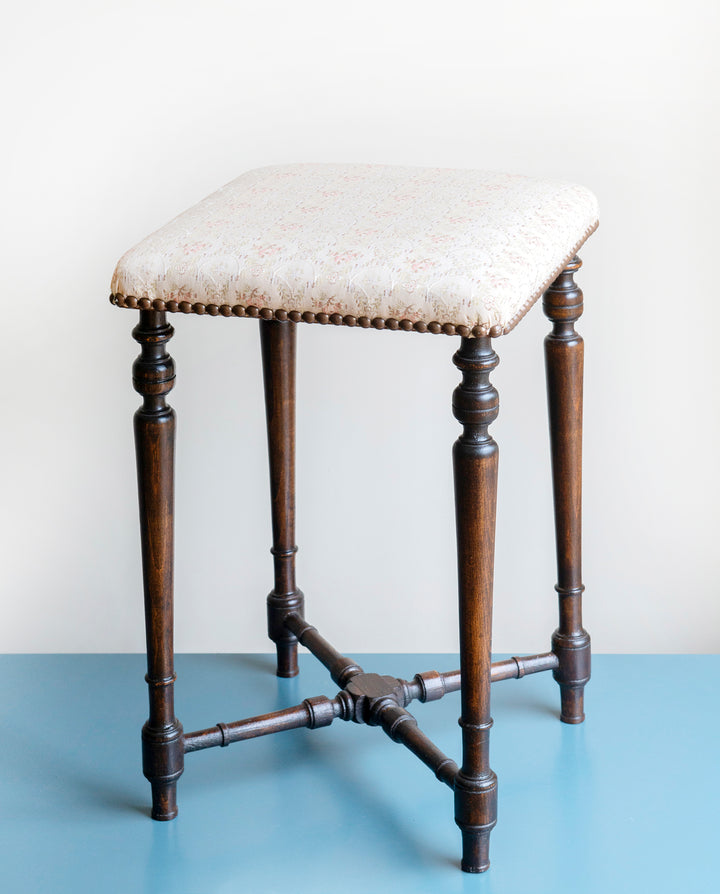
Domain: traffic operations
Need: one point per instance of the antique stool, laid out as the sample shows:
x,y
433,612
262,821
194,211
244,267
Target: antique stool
x,y
462,253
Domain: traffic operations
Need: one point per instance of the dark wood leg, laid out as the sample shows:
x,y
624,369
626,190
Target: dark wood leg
x,y
277,340
162,735
563,305
475,461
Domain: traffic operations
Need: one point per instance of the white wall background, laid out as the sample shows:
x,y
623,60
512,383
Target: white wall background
x,y
118,116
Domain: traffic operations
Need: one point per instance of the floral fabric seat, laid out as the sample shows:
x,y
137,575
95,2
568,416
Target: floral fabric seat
x,y
457,251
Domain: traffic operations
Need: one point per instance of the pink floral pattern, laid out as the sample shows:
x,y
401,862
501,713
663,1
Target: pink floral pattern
x,y
471,248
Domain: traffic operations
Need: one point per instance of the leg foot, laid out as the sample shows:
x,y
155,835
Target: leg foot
x,y
164,803
573,673
572,704
476,815
287,664
476,851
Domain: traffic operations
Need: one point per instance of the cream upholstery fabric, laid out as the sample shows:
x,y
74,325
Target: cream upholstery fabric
x,y
472,249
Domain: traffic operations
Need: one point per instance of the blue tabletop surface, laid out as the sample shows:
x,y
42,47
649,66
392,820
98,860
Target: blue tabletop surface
x,y
626,802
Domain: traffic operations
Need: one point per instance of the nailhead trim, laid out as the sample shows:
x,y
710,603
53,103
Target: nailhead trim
x,y
308,316
295,316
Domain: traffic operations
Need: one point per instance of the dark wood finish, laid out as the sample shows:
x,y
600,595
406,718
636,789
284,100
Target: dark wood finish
x,y
515,668
431,685
153,378
563,305
402,727
366,699
312,713
342,669
475,463
277,341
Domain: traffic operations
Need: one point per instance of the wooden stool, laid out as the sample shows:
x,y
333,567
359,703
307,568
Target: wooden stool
x,y
462,253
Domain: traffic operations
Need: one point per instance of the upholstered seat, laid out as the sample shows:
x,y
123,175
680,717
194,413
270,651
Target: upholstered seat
x,y
457,251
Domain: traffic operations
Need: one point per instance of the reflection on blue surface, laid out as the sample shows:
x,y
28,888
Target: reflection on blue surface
x,y
624,802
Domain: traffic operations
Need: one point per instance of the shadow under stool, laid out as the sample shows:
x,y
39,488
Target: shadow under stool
x,y
453,252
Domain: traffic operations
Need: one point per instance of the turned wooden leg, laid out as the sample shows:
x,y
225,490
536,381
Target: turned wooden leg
x,y
475,462
563,305
277,340
162,735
